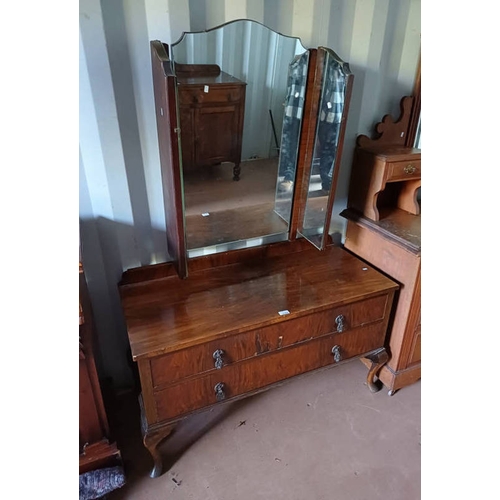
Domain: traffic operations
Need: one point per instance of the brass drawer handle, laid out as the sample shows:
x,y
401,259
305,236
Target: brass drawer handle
x,y
339,320
217,355
336,353
410,169
219,391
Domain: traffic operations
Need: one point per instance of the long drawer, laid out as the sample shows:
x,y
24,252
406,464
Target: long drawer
x,y
261,371
221,354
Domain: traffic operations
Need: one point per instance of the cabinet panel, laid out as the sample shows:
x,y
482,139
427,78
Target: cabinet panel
x,y
216,137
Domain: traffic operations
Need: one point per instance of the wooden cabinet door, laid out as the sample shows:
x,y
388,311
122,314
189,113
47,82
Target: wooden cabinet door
x,y
216,133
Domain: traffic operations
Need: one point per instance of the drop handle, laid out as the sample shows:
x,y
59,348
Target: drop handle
x,y
340,322
219,362
219,391
409,169
337,356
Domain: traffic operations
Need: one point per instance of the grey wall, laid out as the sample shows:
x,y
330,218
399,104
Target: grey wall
x,y
121,211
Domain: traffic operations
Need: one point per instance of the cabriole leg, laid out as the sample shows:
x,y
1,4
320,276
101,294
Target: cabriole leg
x,y
378,358
151,441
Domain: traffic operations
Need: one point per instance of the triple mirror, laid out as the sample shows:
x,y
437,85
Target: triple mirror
x,y
250,128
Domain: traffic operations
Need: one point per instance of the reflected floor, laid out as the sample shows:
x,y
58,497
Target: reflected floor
x,y
219,210
236,224
212,188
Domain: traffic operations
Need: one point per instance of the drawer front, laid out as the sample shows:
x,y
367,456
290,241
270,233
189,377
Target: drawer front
x,y
256,373
402,170
223,95
218,355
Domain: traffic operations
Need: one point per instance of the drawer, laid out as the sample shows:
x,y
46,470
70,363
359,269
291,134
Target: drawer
x,y
402,170
215,95
256,373
224,352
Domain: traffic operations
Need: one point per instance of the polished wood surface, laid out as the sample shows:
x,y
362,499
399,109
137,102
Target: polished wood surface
x,y
393,245
164,83
394,225
199,359
95,448
165,315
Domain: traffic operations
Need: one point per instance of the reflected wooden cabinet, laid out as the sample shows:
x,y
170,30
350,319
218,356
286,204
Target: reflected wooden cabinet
x,y
211,112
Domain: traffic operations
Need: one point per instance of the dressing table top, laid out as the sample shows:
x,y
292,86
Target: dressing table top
x,y
169,314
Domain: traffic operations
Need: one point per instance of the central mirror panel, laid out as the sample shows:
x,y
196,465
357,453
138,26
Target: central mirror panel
x,y
239,120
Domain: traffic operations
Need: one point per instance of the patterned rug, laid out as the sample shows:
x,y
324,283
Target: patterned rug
x,y
97,483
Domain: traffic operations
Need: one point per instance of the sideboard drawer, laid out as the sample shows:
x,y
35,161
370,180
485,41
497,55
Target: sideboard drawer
x,y
202,358
222,95
253,374
403,170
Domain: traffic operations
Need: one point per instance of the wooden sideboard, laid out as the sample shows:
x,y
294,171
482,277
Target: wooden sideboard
x,y
246,320
96,450
211,112
383,228
393,245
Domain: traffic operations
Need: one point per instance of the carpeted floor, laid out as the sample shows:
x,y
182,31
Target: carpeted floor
x,y
318,437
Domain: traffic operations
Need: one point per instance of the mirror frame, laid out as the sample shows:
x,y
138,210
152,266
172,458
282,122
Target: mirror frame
x,y
316,97
168,125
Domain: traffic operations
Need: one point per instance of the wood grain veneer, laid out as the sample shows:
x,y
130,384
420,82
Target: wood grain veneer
x,y
163,315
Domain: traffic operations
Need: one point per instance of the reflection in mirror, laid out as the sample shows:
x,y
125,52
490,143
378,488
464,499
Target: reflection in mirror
x,y
232,83
290,134
331,116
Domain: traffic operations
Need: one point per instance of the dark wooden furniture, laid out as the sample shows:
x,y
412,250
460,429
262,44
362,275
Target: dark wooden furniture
x,y
244,320
383,228
211,112
239,326
96,451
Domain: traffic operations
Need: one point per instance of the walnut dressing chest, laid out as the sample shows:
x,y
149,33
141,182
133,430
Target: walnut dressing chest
x,y
232,330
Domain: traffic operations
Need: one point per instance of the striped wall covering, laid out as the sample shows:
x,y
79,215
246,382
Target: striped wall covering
x,y
121,211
